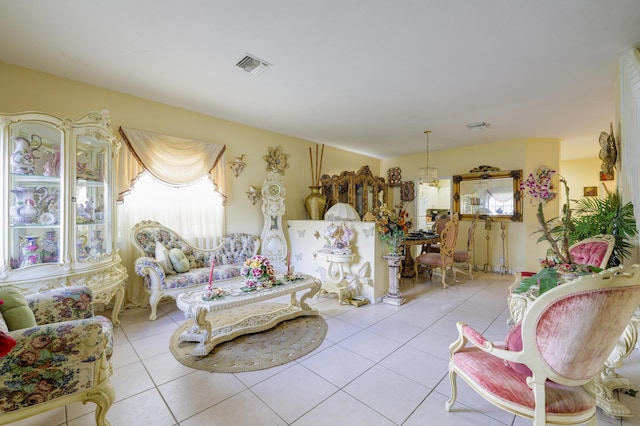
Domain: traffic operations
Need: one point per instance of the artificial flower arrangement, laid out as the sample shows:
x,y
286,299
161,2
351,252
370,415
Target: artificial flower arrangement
x,y
212,293
258,274
392,226
558,262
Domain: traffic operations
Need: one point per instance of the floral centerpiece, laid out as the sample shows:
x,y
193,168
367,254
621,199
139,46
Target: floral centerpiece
x,y
212,293
392,226
539,186
258,273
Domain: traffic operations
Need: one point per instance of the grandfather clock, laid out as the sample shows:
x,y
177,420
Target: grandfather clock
x,y
274,244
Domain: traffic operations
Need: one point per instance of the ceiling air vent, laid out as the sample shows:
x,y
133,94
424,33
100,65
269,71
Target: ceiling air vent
x,y
252,64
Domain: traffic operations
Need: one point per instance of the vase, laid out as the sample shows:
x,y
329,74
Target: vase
x,y
82,253
49,247
97,243
26,210
315,203
29,251
394,245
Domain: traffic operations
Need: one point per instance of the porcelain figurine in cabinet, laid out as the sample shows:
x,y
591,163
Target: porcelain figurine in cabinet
x,y
23,158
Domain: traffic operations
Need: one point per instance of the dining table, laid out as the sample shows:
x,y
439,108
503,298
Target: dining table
x,y
424,240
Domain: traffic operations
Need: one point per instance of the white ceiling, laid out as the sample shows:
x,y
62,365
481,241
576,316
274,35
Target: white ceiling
x,y
365,75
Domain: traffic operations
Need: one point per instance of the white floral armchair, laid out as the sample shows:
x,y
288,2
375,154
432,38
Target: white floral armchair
x,y
64,359
228,257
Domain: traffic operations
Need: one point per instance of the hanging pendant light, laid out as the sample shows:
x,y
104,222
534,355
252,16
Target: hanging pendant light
x,y
427,174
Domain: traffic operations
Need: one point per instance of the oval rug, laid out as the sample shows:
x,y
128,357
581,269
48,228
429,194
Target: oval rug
x,y
283,343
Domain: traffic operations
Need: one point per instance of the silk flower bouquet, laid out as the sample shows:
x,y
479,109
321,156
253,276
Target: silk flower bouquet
x,y
392,226
258,273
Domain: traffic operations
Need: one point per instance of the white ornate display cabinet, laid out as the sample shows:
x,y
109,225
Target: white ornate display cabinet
x,y
57,221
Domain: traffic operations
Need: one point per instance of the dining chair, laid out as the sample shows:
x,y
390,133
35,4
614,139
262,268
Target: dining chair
x,y
437,228
466,256
545,369
444,259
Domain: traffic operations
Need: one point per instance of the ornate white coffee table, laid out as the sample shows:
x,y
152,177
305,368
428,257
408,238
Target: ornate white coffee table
x,y
193,306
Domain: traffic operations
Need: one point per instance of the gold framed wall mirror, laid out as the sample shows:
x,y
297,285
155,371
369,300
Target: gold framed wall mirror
x,y
494,194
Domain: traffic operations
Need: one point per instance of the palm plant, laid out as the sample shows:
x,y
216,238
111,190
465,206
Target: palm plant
x,y
594,216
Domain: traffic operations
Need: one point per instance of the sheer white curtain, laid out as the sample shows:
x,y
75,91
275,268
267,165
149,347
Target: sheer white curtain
x,y
630,123
196,212
175,181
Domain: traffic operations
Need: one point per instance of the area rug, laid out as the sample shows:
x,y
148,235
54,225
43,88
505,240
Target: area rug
x,y
285,342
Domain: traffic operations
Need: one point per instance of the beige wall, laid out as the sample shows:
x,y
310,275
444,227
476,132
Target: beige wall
x,y
26,90
583,173
522,252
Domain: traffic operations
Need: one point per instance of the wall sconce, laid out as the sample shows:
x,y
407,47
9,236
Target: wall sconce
x,y
254,194
237,165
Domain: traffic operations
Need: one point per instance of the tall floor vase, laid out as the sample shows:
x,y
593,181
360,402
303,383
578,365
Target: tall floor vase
x,y
394,296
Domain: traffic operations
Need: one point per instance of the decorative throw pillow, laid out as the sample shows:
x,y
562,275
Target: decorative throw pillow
x,y
162,257
179,260
3,324
193,264
513,342
15,309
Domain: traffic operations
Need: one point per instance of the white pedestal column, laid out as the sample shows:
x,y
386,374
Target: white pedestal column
x,y
394,296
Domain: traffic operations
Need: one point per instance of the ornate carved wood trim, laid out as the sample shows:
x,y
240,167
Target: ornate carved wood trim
x,y
363,191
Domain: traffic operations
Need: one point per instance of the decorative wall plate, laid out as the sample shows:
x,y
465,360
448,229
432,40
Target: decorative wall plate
x,y
395,176
47,218
407,191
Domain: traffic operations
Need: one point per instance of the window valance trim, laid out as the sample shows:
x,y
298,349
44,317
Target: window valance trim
x,y
172,160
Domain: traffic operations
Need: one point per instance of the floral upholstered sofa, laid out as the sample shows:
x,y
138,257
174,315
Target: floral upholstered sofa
x,y
62,359
151,238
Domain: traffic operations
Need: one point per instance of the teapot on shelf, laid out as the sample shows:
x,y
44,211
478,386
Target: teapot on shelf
x,y
23,158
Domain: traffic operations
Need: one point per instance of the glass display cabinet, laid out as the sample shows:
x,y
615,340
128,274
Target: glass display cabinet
x,y
57,226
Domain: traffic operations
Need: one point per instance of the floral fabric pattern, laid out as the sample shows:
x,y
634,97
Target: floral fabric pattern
x,y
193,277
66,304
61,305
50,361
228,258
235,249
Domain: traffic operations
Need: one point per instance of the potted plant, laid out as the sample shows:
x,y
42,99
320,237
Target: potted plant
x,y
557,266
594,216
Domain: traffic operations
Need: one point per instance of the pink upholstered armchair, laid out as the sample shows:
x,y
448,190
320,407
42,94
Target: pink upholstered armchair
x,y
594,251
545,369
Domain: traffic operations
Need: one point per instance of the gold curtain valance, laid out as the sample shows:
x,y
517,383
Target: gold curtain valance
x,y
172,160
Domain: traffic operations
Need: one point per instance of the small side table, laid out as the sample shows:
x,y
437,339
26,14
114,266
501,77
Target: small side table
x,y
394,296
336,282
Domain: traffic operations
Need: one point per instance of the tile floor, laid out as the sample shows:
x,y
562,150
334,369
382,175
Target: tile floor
x,y
379,365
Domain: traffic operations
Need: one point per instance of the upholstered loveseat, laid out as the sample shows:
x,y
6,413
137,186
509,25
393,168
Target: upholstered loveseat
x,y
151,238
61,360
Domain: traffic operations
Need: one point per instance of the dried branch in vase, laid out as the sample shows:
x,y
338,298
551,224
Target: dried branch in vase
x,y
316,170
